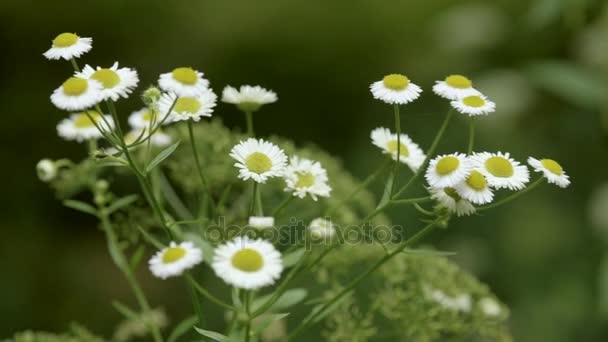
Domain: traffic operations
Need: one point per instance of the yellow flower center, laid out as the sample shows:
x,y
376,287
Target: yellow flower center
x,y
392,147
65,40
75,86
187,105
499,167
185,75
109,78
395,81
552,166
173,254
305,180
447,165
82,120
458,81
258,162
477,181
247,260
473,101
452,193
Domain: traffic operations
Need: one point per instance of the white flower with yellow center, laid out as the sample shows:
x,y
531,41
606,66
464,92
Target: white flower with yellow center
x,y
247,264
411,153
258,160
475,189
551,169
174,260
261,222
448,170
450,199
143,117
184,82
454,87
501,170
68,46
80,127
321,228
474,105
395,89
77,94
117,82
306,177
248,98
46,170
187,107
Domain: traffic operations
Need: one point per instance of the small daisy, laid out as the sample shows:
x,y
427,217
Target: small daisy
x,y
46,170
247,264
188,107
68,46
474,105
79,126
175,259
304,176
411,153
248,98
143,117
77,94
395,89
258,160
455,87
450,199
185,82
551,169
489,307
501,170
475,189
448,170
321,228
261,221
116,82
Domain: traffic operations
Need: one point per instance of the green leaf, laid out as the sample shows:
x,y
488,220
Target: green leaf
x,y
292,258
122,202
286,300
388,188
150,239
81,206
162,155
212,335
137,257
182,328
125,311
267,320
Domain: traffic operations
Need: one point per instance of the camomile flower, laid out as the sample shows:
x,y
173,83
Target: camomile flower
x,y
185,82
501,171
411,153
79,126
454,87
46,170
448,170
475,189
321,228
261,221
258,160
474,105
248,98
77,94
68,46
395,89
306,177
551,169
175,259
247,264
450,199
142,118
117,82
187,107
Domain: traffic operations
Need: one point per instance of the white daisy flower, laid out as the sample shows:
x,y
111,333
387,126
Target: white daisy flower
x,y
411,153
247,264
79,127
489,307
475,189
474,105
46,170
175,259
501,170
321,228
551,169
68,46
450,199
258,160
77,94
116,82
248,98
142,118
395,89
454,87
448,170
306,177
188,107
184,82
261,221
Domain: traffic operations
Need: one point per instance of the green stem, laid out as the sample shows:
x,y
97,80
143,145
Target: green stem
x,y
199,167
398,130
471,135
74,65
254,198
411,200
249,119
512,196
283,205
248,312
208,295
196,303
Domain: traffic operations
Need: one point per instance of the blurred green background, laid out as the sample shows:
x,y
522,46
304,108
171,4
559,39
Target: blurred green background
x,y
545,64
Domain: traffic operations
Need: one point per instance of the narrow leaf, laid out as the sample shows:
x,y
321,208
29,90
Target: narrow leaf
x,y
267,320
137,257
81,206
182,328
286,300
212,335
125,311
121,203
162,155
